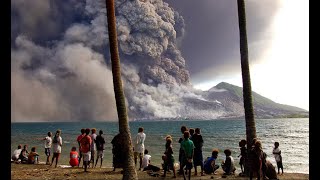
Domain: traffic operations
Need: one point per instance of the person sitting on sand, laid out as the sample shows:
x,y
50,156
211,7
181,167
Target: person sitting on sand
x,y
228,165
210,165
57,143
100,147
16,153
74,157
146,163
33,157
168,158
24,154
85,144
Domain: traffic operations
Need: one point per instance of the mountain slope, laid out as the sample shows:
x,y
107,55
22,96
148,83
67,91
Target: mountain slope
x,y
263,107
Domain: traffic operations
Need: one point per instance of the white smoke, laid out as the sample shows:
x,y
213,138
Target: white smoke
x,y
69,78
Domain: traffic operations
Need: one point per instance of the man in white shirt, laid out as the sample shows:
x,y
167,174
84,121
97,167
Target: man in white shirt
x,y
146,163
47,146
139,146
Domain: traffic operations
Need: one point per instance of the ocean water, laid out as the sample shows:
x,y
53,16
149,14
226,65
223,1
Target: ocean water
x,y
292,134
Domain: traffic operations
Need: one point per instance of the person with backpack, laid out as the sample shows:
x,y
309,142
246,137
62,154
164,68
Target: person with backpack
x,y
100,147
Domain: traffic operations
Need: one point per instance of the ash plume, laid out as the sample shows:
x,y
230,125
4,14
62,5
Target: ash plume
x,y
64,75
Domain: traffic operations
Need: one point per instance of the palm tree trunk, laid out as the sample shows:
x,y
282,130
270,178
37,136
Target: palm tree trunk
x,y
129,168
247,94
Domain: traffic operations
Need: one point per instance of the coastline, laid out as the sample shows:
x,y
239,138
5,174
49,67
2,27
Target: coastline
x,y
45,172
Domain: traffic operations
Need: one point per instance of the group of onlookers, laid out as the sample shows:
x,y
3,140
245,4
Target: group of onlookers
x,y
190,154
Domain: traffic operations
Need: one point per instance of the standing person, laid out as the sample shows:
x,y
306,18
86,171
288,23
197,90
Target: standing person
x,y
228,165
198,157
85,144
182,129
210,165
16,153
78,140
33,157
57,143
168,158
74,157
243,154
24,154
277,155
187,154
93,146
259,165
117,151
191,131
100,147
139,146
47,146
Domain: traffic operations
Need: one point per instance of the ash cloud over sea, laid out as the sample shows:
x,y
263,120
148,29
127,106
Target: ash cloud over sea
x,y
60,62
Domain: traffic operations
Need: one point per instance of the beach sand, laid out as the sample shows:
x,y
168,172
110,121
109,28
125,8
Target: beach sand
x,y
45,172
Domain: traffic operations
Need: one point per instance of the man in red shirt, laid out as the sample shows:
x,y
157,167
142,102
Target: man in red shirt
x,y
85,145
78,140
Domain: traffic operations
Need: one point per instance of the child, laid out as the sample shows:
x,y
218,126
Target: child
x,y
33,156
47,146
168,158
243,153
100,147
228,165
210,165
74,157
146,163
277,155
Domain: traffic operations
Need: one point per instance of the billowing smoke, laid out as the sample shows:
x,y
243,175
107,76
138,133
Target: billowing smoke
x,y
65,76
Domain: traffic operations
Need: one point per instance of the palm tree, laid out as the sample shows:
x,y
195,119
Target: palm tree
x,y
247,95
129,168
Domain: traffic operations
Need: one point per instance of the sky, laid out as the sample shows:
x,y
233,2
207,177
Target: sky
x,y
60,68
278,42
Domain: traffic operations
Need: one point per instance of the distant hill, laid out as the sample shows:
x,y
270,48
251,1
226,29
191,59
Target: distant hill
x,y
232,96
223,101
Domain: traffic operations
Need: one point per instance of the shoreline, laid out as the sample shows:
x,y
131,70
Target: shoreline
x,y
45,172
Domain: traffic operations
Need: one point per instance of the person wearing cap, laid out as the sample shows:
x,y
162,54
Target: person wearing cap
x,y
100,147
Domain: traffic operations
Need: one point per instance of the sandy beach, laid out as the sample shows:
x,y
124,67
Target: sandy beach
x,y
45,172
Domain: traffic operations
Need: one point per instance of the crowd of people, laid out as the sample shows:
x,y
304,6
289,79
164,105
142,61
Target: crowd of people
x,y
91,146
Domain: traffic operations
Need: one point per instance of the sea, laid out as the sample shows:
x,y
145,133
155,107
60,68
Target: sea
x,y
291,133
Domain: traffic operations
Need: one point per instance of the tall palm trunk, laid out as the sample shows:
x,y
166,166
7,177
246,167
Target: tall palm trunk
x,y
129,168
247,95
